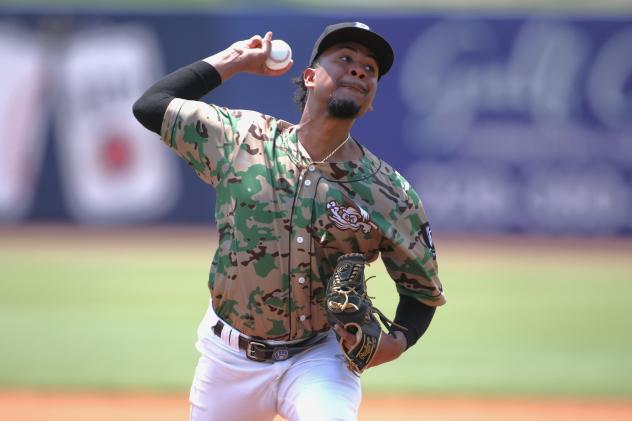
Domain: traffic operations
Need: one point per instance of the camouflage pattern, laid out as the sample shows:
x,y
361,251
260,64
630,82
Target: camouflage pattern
x,y
284,221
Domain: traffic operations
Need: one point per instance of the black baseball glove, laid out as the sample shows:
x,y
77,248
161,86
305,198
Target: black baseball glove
x,y
349,305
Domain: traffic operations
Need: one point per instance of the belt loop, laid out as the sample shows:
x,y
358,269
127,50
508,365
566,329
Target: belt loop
x,y
225,336
233,339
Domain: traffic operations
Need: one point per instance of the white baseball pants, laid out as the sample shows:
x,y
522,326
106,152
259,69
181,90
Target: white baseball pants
x,y
312,386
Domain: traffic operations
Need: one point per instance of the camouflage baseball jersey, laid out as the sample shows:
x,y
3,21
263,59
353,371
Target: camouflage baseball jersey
x,y
283,220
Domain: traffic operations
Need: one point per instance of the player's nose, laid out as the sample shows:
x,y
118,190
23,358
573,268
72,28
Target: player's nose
x,y
358,72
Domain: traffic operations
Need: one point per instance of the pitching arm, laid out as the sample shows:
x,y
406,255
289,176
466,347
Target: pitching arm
x,y
189,82
194,81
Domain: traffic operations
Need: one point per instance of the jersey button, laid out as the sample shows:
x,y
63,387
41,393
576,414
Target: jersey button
x,y
303,317
301,280
308,183
312,168
299,240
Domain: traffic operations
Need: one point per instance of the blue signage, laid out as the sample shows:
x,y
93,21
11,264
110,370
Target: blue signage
x,y
501,123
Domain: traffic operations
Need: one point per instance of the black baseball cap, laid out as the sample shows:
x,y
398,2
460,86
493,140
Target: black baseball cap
x,y
355,32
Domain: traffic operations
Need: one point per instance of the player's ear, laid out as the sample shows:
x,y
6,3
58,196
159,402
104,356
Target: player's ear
x,y
308,77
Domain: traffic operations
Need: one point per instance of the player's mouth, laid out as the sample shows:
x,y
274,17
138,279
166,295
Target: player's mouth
x,y
354,87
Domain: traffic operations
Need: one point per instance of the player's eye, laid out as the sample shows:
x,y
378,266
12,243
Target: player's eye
x,y
369,68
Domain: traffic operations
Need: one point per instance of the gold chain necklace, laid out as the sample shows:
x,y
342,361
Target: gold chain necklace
x,y
329,155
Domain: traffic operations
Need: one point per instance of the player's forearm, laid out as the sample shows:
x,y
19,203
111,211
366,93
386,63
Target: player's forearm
x,y
391,346
414,316
227,63
189,82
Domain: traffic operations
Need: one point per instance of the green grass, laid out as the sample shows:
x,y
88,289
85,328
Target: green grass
x,y
97,314
91,318
524,327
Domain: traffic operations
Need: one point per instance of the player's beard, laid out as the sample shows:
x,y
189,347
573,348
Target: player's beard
x,y
342,108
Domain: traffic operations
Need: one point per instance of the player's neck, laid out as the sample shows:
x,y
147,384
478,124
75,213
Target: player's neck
x,y
323,134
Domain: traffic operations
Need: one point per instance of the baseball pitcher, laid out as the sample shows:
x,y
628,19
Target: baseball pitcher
x,y
301,208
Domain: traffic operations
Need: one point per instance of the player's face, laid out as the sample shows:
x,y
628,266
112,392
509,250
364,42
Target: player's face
x,y
347,74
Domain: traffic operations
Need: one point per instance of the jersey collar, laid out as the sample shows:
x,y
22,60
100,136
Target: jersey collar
x,y
345,171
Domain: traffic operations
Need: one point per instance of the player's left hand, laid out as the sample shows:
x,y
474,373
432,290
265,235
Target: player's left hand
x,y
391,345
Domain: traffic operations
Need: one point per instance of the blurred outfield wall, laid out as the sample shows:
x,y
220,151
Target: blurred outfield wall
x,y
503,123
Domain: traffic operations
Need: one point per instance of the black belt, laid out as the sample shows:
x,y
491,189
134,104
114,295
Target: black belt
x,y
261,351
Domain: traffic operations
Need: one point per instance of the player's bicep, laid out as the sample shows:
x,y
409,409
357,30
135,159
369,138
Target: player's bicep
x,y
410,259
200,134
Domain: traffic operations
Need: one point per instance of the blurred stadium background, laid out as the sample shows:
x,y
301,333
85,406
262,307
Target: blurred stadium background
x,y
512,120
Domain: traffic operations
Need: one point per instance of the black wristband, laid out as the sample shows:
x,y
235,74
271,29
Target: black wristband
x,y
414,316
189,82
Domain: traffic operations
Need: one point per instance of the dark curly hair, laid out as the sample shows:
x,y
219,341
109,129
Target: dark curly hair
x,y
300,94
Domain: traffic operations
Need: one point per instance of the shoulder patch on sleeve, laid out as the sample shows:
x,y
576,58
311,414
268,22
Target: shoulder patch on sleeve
x,y
426,232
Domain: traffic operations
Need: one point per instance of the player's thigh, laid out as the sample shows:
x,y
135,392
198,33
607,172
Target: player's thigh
x,y
327,401
231,391
320,387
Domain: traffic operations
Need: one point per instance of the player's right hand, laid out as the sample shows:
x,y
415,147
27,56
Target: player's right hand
x,y
246,56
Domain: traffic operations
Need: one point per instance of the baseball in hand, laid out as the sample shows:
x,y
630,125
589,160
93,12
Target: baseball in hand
x,y
280,55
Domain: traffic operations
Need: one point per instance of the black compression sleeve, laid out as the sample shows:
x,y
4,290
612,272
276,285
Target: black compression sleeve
x,y
414,316
189,82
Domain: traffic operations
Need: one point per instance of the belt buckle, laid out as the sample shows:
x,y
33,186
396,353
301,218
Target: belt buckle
x,y
252,349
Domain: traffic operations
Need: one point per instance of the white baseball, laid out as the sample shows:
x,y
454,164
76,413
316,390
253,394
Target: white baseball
x,y
280,55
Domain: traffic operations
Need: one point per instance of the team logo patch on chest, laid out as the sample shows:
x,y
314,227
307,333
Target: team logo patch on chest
x,y
349,217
